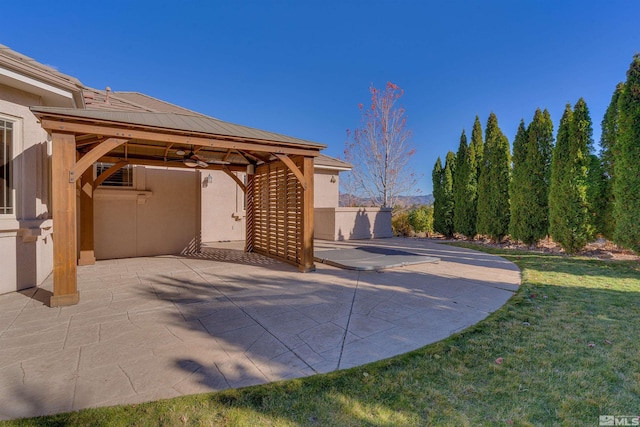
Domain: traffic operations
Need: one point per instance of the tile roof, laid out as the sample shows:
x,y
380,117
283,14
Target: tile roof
x,y
155,104
331,162
96,99
35,69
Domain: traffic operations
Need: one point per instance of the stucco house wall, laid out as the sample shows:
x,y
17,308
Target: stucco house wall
x,y
26,256
352,223
223,213
159,216
26,247
326,184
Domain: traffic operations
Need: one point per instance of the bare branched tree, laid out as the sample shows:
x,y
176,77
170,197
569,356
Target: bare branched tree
x,y
381,148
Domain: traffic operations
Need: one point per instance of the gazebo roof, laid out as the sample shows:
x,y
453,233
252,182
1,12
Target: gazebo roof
x,y
162,139
175,122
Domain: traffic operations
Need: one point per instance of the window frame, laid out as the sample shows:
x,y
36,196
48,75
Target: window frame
x,y
106,183
16,126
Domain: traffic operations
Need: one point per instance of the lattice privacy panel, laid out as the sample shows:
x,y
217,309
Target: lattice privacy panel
x,y
274,212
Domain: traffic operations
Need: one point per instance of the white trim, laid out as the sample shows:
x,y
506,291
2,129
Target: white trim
x,y
17,147
331,168
35,83
8,224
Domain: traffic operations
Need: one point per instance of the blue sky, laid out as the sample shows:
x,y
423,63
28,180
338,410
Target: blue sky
x,y
301,68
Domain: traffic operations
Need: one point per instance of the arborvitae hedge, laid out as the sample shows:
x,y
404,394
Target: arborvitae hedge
x,y
538,170
438,197
626,185
518,188
493,187
558,223
603,200
571,225
464,212
448,204
476,150
599,197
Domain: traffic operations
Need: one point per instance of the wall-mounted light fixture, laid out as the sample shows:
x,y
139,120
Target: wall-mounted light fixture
x,y
333,179
206,181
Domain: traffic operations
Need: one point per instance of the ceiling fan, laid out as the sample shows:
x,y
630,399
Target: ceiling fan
x,y
193,160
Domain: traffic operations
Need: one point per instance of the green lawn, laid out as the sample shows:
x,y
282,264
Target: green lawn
x,y
569,342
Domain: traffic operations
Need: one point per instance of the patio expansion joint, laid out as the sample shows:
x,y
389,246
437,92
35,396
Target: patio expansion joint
x,y
76,377
177,337
24,374
18,315
221,373
128,379
346,329
66,335
131,321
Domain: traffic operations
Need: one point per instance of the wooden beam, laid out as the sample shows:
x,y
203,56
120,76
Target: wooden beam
x,y
217,141
226,156
63,158
236,179
292,166
106,174
87,252
86,140
138,144
249,157
258,157
307,261
92,156
166,151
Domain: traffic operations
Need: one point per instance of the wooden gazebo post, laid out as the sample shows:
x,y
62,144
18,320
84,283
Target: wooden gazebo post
x,y
63,159
307,261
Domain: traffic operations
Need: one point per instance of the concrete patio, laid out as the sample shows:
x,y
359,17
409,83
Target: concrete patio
x,y
152,328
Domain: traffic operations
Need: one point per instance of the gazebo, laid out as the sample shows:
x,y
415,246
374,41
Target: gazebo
x,y
279,186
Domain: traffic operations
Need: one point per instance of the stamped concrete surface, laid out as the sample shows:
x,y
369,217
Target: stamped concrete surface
x,y
159,327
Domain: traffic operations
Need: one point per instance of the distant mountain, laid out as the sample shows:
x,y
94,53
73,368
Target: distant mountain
x,y
426,199
404,201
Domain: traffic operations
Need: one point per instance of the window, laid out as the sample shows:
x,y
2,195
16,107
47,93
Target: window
x,y
123,177
6,156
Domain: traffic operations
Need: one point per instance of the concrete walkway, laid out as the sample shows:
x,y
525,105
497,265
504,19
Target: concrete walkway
x,y
151,328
